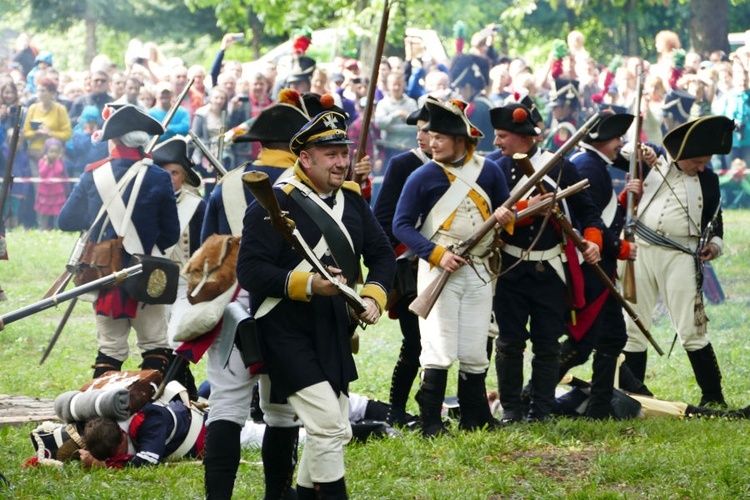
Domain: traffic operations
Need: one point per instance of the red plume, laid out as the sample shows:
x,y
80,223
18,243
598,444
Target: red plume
x,y
520,115
301,44
326,101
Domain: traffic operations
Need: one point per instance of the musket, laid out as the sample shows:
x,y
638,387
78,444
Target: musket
x,y
8,175
422,305
116,277
207,153
260,186
525,165
370,106
628,278
62,281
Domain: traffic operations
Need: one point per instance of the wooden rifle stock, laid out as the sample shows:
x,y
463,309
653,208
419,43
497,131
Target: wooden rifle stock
x,y
421,306
525,165
260,186
628,278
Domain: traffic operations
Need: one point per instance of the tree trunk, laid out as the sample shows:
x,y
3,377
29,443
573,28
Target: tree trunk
x,y
90,40
257,29
709,26
631,28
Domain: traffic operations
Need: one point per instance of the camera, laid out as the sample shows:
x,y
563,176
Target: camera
x,y
238,37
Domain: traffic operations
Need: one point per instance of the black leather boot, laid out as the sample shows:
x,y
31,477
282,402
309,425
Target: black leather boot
x,y
602,385
403,377
430,399
629,383
636,362
472,400
221,459
279,452
545,370
157,359
708,375
331,491
510,383
105,363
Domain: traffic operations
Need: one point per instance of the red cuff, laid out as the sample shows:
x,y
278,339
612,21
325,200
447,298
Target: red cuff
x,y
593,235
623,199
366,189
624,250
523,205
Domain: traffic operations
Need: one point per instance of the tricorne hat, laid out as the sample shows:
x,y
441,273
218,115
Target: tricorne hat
x,y
421,114
471,69
449,118
515,118
276,123
126,119
706,136
566,92
175,150
313,104
302,69
326,129
609,126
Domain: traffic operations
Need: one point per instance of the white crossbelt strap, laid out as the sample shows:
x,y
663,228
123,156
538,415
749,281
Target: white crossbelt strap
x,y
335,213
609,212
121,216
233,199
454,195
186,207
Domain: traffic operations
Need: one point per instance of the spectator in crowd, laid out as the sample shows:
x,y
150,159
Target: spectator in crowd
x,y
51,193
738,109
41,63
208,123
199,91
180,123
117,85
80,149
24,53
98,96
390,117
45,119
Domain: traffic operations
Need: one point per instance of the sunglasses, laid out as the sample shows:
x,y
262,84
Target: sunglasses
x,y
100,80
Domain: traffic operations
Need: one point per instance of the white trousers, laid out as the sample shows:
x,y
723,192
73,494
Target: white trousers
x,y
457,327
231,386
176,311
671,273
275,414
326,420
150,325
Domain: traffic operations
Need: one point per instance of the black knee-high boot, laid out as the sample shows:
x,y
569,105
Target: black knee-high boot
x,y
221,459
430,398
636,361
157,359
279,452
545,370
707,374
602,386
404,373
335,490
472,400
510,383
105,363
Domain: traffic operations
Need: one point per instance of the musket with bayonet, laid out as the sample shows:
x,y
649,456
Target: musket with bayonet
x,y
628,278
422,305
75,255
260,186
207,153
527,168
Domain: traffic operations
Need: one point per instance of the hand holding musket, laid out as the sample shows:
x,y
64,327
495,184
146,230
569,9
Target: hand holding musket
x,y
628,278
525,165
422,305
260,186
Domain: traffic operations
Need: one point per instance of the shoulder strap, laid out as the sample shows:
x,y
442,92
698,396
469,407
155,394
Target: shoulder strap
x,y
233,198
334,232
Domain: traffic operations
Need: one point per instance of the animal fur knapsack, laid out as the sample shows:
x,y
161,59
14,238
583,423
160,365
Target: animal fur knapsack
x,y
211,269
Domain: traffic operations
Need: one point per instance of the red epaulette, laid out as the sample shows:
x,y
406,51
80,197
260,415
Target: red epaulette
x,y
96,164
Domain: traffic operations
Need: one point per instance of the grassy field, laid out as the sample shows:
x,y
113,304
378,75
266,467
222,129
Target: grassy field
x,y
656,458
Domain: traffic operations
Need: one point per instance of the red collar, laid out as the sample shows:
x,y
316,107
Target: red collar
x,y
127,153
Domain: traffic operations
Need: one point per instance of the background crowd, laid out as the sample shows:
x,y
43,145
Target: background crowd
x,y
64,107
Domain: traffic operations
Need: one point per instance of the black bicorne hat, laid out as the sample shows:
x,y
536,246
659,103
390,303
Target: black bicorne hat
x,y
302,69
126,119
609,126
450,118
706,136
276,123
566,92
175,150
515,118
326,129
471,69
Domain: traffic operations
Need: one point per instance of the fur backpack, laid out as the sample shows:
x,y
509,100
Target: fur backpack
x,y
211,269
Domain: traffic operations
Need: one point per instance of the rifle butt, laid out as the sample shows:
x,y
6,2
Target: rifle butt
x,y
628,283
425,301
59,285
260,186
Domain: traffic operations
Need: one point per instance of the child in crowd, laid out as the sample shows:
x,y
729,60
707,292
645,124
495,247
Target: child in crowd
x,y
51,194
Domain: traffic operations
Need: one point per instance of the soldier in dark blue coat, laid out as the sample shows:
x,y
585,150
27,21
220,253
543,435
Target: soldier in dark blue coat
x,y
304,322
398,170
153,224
535,288
601,325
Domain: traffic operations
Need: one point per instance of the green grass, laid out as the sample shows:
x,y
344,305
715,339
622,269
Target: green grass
x,y
656,458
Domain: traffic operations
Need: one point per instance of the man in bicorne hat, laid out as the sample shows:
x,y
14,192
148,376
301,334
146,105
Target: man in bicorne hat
x,y
453,195
152,225
679,227
600,324
305,321
536,286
